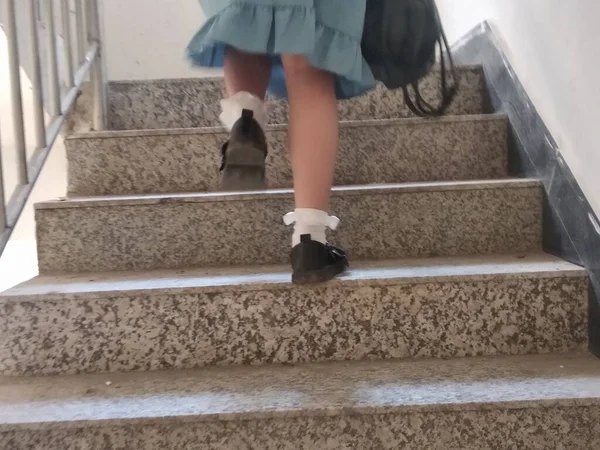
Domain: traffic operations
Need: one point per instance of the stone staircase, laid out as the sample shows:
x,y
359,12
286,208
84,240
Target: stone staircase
x,y
161,320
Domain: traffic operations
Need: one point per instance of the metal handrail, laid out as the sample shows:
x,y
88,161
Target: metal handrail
x,y
87,63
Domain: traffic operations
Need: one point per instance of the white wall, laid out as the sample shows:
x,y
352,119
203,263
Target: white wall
x,y
553,47
146,39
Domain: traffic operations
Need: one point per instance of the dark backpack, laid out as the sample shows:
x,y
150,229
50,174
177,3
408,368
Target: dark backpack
x,y
399,43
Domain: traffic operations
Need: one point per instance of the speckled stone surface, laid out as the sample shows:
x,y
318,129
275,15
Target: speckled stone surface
x,y
190,103
529,402
452,148
560,428
362,273
393,309
378,222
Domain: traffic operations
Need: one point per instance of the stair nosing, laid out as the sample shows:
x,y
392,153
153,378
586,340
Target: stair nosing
x,y
321,390
409,121
460,68
277,278
304,413
219,196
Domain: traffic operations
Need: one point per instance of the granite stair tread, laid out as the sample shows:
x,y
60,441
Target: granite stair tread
x,y
288,392
344,124
374,151
249,278
382,221
195,102
428,307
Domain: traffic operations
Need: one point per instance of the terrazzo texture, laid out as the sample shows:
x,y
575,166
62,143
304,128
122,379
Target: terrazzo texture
x,y
457,148
362,273
191,103
378,222
561,428
318,389
527,402
357,317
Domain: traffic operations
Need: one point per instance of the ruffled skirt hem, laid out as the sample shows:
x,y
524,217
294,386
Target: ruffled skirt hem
x,y
277,30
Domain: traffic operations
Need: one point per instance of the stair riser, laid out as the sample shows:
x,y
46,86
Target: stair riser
x,y
376,225
196,102
537,427
380,153
441,319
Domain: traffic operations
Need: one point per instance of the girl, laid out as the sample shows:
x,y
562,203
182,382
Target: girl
x,y
308,51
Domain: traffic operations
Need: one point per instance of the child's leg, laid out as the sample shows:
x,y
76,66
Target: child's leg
x,y
313,131
245,115
245,72
313,142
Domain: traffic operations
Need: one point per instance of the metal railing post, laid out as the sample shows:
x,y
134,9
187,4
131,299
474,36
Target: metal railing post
x,y
81,33
36,78
15,87
97,74
60,103
52,59
66,24
3,219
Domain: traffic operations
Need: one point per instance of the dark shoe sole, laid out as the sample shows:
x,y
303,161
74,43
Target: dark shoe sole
x,y
243,178
319,276
244,169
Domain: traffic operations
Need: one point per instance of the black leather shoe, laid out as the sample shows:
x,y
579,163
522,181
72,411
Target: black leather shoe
x,y
314,262
243,156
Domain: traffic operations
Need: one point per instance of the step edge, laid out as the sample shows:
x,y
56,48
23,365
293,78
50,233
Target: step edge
x,y
344,411
214,197
460,68
399,122
560,368
279,279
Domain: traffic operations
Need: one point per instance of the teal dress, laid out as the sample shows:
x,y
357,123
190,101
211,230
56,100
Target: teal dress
x,y
327,32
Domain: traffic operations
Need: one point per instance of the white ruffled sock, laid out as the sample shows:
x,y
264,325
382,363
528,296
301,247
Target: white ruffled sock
x,y
232,109
310,221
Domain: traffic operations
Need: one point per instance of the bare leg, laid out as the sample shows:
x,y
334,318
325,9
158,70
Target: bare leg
x,y
313,141
313,131
245,72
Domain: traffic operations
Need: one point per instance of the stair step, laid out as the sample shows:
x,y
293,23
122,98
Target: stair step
x,y
432,307
213,229
522,402
389,151
195,102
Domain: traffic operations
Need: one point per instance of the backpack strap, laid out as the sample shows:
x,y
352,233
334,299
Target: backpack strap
x,y
419,106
